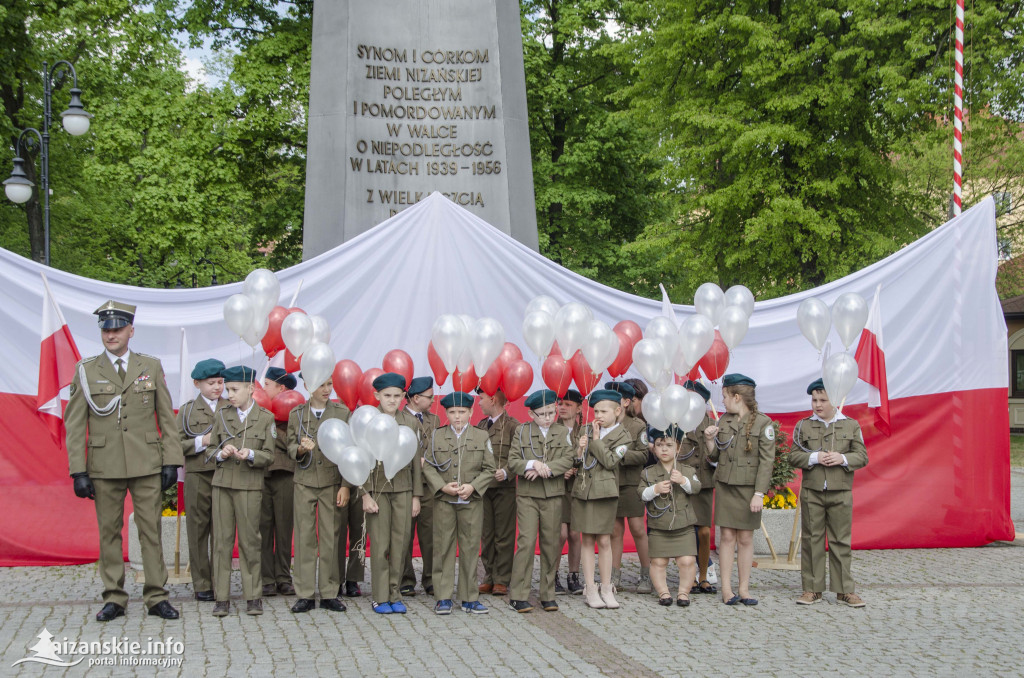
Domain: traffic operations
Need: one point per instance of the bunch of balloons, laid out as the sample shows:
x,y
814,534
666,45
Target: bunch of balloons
x,y
369,436
467,347
354,386
849,315
247,314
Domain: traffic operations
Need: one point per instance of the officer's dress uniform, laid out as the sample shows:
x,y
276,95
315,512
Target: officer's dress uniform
x,y
744,467
670,517
826,498
277,518
423,524
195,420
464,457
499,529
595,493
111,426
539,505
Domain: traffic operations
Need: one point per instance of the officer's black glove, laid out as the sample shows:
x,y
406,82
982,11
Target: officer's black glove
x,y
83,486
168,476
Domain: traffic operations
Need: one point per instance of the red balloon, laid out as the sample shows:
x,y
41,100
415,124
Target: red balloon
x,y
436,364
261,397
554,351
509,354
584,376
272,341
625,356
491,381
291,363
516,379
694,374
284,402
346,379
557,374
399,362
366,390
631,330
465,382
716,361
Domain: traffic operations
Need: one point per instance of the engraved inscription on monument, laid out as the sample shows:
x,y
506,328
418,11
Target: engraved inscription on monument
x,y
414,96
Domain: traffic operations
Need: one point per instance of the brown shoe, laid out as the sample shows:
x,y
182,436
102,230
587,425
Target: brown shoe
x,y
485,588
499,590
286,589
221,608
254,606
269,590
850,599
808,598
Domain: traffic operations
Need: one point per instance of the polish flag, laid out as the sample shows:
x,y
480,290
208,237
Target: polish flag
x,y
58,356
870,358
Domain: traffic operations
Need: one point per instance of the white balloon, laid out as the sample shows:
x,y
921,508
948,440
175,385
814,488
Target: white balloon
x,y
297,333
649,359
538,332
739,295
611,350
651,408
664,380
733,325
263,288
321,329
675,401
543,303
814,320
572,322
254,335
465,358
356,464
595,346
840,376
486,343
449,338
399,455
694,413
317,365
850,315
333,437
695,337
664,330
381,435
679,364
358,422
709,300
239,313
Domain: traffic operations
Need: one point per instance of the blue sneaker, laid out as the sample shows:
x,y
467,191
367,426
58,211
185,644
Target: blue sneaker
x,y
475,607
443,607
382,608
398,607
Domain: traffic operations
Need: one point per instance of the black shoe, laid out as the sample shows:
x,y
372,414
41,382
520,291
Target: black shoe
x,y
351,590
269,590
286,588
205,596
110,611
559,589
520,605
429,590
164,610
665,601
572,583
408,590
333,604
683,602
303,605
549,605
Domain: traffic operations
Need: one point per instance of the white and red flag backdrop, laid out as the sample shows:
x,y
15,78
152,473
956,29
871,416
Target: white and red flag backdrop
x,y
941,479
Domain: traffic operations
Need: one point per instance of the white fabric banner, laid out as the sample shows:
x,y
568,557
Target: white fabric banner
x,y
943,324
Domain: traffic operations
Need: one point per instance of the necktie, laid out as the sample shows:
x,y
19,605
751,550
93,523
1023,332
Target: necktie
x,y
120,369
490,423
419,415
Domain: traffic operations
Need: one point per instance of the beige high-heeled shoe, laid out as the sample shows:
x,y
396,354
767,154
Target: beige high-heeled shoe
x,y
593,598
608,596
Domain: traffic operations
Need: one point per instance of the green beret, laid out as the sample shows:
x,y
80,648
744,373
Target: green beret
x,y
622,387
239,373
737,379
698,388
673,432
388,380
605,394
539,399
457,399
277,374
419,385
573,396
816,385
204,369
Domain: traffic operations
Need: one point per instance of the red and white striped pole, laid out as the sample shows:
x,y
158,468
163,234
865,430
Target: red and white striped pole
x,y
958,111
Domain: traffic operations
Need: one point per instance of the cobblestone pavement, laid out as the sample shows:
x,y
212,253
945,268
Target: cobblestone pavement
x,y
930,613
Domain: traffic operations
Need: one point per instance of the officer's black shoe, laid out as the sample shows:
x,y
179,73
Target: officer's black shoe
x,y
333,604
352,590
520,605
204,596
303,605
110,611
164,610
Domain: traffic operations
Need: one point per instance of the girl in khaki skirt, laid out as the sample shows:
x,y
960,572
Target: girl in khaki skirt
x,y
742,447
665,488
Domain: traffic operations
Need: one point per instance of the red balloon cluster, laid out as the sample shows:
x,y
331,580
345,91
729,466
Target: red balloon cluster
x,y
556,373
628,333
509,372
355,387
272,341
366,391
346,378
261,397
284,402
714,363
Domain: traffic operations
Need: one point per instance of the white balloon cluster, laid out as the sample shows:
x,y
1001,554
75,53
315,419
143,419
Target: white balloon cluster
x,y
247,313
574,327
370,436
461,341
849,315
675,406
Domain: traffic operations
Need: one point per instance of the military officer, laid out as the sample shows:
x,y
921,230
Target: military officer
x,y
499,531
419,398
244,438
458,469
276,519
118,400
694,452
195,428
540,456
828,447
319,494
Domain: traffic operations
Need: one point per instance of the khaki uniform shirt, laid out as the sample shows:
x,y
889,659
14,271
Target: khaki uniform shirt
x,y
257,433
313,469
669,511
635,458
410,477
843,436
500,433
195,419
694,452
555,450
449,458
738,465
598,476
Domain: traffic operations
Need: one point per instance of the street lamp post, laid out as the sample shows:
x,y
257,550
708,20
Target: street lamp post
x,y
18,187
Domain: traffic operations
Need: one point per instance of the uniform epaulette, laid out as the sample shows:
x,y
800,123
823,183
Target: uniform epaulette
x,y
146,355
88,360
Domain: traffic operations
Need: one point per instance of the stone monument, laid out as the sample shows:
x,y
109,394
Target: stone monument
x,y
408,97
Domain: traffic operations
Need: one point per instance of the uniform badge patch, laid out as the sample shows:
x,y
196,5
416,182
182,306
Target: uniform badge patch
x,y
73,388
273,432
643,437
620,450
769,432
490,448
